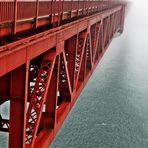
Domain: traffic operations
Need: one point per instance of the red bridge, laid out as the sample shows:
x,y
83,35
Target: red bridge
x,y
48,51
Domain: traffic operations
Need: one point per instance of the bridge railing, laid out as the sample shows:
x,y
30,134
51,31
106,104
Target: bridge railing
x,y
15,10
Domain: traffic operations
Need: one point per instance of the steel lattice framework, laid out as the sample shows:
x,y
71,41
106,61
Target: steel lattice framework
x,y
43,75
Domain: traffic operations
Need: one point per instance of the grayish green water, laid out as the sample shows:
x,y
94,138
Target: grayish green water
x,y
4,136
112,111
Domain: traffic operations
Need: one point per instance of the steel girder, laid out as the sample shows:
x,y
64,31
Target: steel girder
x,y
44,74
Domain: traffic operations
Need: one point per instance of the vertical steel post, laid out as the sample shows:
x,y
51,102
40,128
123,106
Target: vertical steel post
x,y
78,7
54,12
15,16
71,8
122,18
17,92
51,101
37,13
71,58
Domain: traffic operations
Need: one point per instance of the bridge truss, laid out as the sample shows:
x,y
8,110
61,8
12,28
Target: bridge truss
x,y
42,75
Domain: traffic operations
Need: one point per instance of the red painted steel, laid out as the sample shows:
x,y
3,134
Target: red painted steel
x,y
14,19
43,75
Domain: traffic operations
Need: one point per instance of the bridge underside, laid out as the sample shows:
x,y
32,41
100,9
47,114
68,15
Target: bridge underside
x,y
43,75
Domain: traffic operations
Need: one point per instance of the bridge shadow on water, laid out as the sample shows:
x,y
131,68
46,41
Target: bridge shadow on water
x,y
112,111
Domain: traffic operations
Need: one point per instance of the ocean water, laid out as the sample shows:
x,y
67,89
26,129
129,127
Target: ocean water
x,y
112,110
4,110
